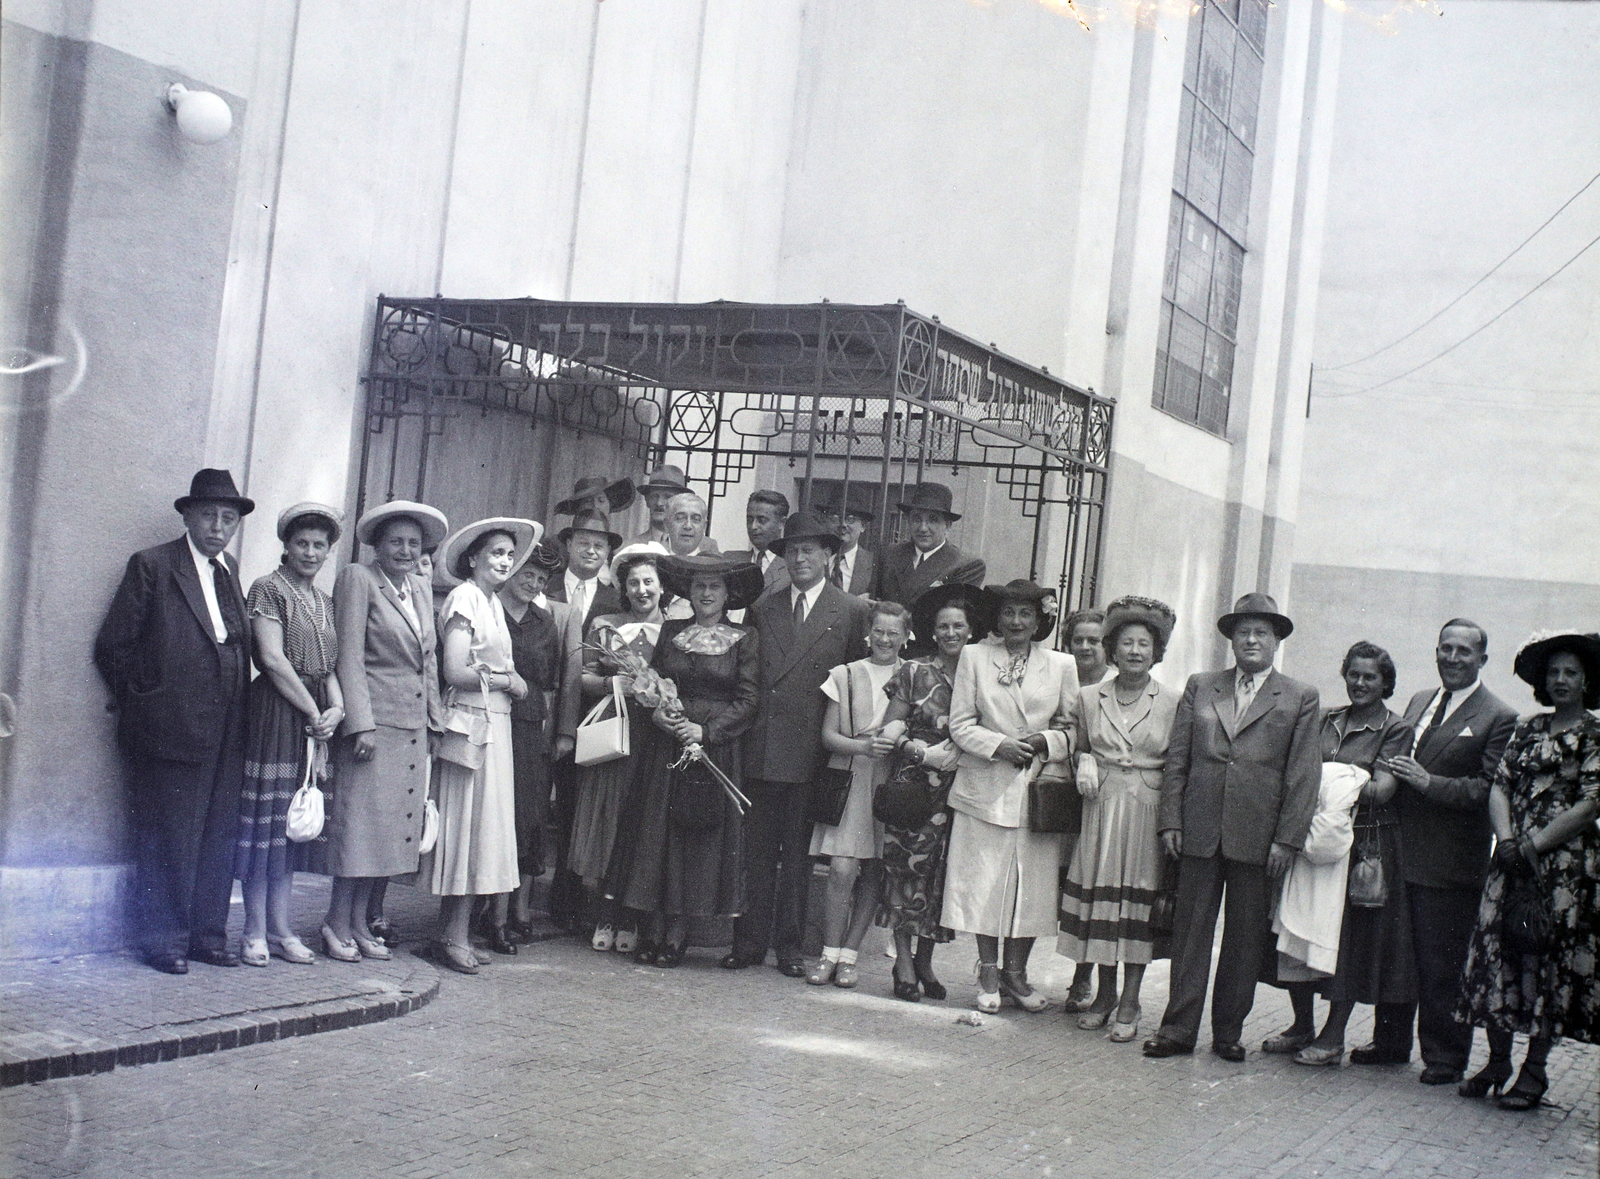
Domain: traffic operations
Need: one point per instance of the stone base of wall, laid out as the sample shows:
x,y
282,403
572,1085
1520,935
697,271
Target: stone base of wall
x,y
55,912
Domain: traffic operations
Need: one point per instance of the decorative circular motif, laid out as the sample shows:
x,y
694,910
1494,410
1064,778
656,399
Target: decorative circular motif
x,y
692,418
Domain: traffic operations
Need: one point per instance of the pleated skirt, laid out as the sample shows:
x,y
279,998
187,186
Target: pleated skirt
x,y
1114,876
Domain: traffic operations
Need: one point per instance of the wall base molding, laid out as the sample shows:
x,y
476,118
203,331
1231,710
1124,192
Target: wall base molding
x,y
57,912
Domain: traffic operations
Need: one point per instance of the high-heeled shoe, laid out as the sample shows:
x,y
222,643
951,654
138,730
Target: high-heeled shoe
x,y
931,986
383,930
1491,1078
909,991
647,954
290,949
1014,986
253,951
499,942
1080,997
337,949
457,957
670,955
1528,1092
1122,1033
988,1002
1093,1020
371,948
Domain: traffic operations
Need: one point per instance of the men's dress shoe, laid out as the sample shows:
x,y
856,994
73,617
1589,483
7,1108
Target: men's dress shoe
x,y
1372,1054
1159,1046
791,967
168,963
1439,1074
1233,1053
215,957
739,960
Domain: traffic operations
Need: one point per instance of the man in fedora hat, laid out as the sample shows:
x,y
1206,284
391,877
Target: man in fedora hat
x,y
764,514
1460,731
855,568
1240,786
806,631
928,558
175,651
658,489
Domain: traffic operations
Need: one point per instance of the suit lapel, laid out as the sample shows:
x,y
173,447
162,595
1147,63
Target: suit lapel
x,y
1114,714
822,615
386,589
1458,720
189,583
861,573
1266,696
1222,701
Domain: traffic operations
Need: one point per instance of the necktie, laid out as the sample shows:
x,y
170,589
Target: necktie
x,y
580,599
222,585
837,576
1438,719
1244,693
799,610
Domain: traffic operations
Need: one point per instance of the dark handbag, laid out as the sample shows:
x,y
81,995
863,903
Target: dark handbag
x,y
1367,887
907,800
1051,806
695,799
830,789
1524,915
1164,909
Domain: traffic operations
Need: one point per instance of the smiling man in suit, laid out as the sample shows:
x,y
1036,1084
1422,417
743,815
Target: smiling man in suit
x,y
928,558
175,651
1460,732
764,514
1237,795
805,632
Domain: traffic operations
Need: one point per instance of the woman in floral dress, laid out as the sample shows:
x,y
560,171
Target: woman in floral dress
x,y
1542,806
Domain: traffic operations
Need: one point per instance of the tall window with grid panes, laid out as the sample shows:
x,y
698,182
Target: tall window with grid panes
x,y
1210,206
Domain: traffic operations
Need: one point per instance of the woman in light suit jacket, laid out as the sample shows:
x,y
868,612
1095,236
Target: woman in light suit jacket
x,y
1009,710
384,613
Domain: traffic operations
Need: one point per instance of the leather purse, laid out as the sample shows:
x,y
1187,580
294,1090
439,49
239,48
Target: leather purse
x,y
1367,887
601,738
907,800
1164,909
1053,805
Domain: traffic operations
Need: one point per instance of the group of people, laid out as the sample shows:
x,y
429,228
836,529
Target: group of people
x,y
680,734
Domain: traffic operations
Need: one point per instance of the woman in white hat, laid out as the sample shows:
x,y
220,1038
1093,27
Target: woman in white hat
x,y
389,671
476,854
297,694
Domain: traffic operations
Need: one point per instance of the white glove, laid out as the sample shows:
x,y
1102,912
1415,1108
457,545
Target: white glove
x,y
1088,776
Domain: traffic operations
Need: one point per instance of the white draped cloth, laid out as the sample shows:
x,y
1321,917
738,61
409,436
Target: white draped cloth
x,y
1311,907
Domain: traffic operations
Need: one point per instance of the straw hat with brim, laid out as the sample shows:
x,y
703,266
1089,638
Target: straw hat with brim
x,y
808,525
618,492
666,477
333,517
744,580
629,555
1150,612
1256,606
591,522
1533,659
977,602
213,486
431,520
931,497
1022,590
451,567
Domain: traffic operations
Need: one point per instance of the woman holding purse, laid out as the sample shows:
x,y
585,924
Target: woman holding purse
x,y
852,725
1544,877
1117,871
1009,712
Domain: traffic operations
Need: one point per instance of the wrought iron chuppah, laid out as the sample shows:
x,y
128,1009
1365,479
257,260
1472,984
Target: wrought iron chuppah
x,y
845,394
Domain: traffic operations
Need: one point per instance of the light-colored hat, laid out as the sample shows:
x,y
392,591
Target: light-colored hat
x,y
629,553
310,508
525,533
431,520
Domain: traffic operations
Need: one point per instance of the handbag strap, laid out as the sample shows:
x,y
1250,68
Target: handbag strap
x,y
311,761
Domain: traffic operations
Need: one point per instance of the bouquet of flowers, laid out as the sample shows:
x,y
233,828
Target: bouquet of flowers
x,y
655,691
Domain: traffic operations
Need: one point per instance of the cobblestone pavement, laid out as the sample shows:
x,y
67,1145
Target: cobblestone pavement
x,y
564,1062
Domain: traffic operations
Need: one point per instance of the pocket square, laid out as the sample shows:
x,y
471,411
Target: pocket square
x,y
1466,732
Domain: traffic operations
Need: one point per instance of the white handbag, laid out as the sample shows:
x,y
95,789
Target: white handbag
x,y
604,738
306,808
430,815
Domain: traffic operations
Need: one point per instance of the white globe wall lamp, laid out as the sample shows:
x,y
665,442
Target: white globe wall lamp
x,y
203,117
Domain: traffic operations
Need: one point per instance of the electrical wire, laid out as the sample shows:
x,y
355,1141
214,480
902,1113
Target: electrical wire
x,y
1473,332
1473,287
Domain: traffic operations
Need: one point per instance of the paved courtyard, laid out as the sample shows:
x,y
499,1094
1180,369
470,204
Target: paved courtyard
x,y
563,1061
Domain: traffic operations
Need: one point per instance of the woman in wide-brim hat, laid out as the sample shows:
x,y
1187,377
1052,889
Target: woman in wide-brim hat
x,y
679,849
597,494
297,694
476,851
1116,869
1001,884
945,618
1542,805
430,521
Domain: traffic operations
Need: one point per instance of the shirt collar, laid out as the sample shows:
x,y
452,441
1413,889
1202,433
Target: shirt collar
x,y
202,563
927,556
810,594
1459,695
1259,677
574,581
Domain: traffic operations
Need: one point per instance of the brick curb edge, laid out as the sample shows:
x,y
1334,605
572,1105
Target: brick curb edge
x,y
61,1056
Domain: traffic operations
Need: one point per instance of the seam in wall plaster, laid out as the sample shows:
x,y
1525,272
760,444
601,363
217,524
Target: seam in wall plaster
x,y
688,154
450,157
583,151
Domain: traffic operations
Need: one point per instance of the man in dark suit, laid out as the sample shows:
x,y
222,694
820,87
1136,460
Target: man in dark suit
x,y
928,558
1460,730
587,544
805,632
854,568
1237,795
175,651
764,514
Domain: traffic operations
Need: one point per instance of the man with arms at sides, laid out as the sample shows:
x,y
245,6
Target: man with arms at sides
x,y
1460,730
1240,786
662,484
764,514
855,568
805,632
175,651
576,595
928,558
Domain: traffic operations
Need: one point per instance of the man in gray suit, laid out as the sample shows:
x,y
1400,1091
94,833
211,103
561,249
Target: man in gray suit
x,y
1240,787
806,631
764,514
1460,730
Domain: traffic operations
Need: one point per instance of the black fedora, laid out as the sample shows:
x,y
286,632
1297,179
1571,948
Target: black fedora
x,y
808,525
1256,606
212,486
591,522
854,505
618,493
666,477
932,497
1020,589
743,579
